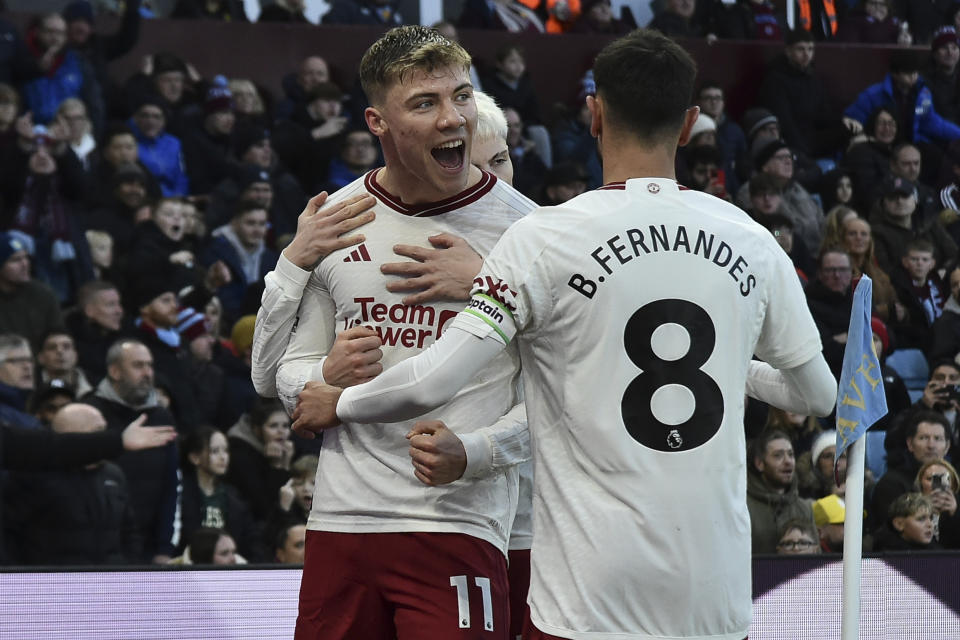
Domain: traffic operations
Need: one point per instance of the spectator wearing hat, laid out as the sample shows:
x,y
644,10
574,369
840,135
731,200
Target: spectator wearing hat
x,y
570,138
311,72
27,306
124,207
156,304
761,125
66,73
731,139
942,74
277,191
895,225
253,145
284,11
118,147
95,324
240,246
829,513
127,395
160,152
794,92
17,381
50,398
171,81
312,136
776,159
100,49
205,149
57,360
199,346
221,10
815,468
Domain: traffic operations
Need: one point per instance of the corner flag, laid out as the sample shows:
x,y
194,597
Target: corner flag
x,y
861,400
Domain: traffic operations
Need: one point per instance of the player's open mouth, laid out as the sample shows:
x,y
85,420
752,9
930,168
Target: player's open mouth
x,y
449,154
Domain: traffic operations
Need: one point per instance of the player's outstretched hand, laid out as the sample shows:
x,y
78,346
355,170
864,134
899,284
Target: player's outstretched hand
x,y
316,409
136,436
354,358
445,272
438,455
320,232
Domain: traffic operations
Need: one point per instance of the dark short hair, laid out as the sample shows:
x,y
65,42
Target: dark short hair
x,y
833,248
196,442
261,411
246,206
758,448
704,154
777,221
871,124
646,83
914,419
764,183
794,36
203,541
919,244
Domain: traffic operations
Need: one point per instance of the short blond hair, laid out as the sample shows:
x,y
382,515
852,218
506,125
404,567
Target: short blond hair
x,y
403,50
491,123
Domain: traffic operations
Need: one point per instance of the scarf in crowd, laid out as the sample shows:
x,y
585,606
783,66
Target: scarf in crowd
x,y
43,213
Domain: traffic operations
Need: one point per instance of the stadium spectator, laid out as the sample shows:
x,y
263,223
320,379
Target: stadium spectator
x,y
249,105
160,152
897,223
273,189
776,159
874,23
909,525
794,92
906,162
529,170
95,324
296,496
837,189
938,480
72,114
939,395
570,137
858,241
830,298
57,360
27,306
782,229
313,134
290,544
677,18
945,338
772,497
205,148
924,18
118,149
210,546
312,71
221,10
66,73
829,513
101,254
50,398
798,537
703,169
815,469
926,433
358,155
510,85
922,293
284,11
941,72
731,139
802,429
100,49
261,449
207,500
127,396
596,16
204,374
170,81
78,516
240,246
17,381
563,182
500,15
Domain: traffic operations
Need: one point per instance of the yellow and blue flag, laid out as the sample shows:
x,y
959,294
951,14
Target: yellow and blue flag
x,y
861,400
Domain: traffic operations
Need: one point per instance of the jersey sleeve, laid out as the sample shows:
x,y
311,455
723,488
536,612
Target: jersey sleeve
x,y
310,340
511,292
789,336
283,289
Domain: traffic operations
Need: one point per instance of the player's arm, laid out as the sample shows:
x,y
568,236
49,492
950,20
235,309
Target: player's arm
x,y
808,389
319,233
409,389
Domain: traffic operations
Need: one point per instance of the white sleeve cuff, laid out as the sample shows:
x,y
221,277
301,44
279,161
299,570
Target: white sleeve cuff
x,y
291,278
479,454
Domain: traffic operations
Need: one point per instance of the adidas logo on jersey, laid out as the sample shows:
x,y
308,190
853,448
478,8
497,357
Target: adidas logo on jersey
x,y
360,254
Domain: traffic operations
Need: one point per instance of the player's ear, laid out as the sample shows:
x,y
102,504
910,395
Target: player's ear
x,y
688,119
596,116
375,121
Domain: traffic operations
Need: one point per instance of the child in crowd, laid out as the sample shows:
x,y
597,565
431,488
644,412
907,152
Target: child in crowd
x,y
920,289
909,525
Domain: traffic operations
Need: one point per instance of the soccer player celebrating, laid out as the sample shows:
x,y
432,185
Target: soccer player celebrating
x,y
637,308
387,557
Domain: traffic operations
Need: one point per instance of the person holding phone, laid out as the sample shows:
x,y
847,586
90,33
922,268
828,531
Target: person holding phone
x,y
939,481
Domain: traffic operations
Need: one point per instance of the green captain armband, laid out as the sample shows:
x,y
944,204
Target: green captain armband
x,y
494,313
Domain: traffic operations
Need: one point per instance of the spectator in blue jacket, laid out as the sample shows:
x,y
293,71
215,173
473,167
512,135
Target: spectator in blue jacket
x,y
240,245
906,93
160,152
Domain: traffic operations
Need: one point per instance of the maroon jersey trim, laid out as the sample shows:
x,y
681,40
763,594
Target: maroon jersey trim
x,y
426,209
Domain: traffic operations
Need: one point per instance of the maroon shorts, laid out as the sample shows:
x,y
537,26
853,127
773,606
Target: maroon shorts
x,y
519,574
399,586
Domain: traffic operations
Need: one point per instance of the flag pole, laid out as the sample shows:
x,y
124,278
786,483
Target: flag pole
x,y
853,541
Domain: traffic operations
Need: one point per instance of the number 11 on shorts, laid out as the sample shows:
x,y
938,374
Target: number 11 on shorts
x,y
463,601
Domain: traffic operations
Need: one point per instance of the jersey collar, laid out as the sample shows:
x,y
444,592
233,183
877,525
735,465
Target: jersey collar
x,y
426,209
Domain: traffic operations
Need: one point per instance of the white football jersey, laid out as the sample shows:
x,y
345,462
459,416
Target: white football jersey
x,y
365,480
638,307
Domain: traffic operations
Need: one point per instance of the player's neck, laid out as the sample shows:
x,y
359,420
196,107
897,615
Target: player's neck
x,y
412,189
622,161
